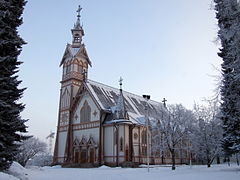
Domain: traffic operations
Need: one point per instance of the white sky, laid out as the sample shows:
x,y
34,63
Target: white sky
x,y
162,48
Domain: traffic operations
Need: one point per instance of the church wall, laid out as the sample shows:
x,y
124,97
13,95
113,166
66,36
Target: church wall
x,y
75,67
61,145
65,97
121,149
94,132
64,118
95,113
108,144
75,90
126,131
64,70
136,138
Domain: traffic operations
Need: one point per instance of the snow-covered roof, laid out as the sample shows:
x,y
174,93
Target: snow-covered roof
x,y
118,121
107,98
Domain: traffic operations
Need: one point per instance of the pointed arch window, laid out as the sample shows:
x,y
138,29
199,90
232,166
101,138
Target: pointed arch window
x,y
144,137
115,137
85,113
121,144
65,99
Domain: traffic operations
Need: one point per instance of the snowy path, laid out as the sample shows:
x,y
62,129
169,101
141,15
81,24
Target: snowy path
x,y
221,172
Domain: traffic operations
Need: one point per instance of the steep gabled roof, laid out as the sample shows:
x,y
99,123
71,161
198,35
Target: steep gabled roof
x,y
71,52
107,98
83,53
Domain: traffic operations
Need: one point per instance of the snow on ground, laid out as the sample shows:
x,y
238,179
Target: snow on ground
x,y
216,172
4,176
18,171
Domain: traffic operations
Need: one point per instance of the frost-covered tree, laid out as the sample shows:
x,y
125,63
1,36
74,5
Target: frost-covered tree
x,y
158,144
228,15
41,159
30,148
207,133
11,124
175,126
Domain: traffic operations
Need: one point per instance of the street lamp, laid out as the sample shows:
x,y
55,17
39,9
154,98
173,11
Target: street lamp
x,y
147,97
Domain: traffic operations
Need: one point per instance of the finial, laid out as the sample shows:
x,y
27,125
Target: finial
x,y
78,25
164,102
120,82
78,11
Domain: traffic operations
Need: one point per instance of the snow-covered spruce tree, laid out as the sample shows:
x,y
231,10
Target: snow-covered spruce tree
x,y
228,16
11,124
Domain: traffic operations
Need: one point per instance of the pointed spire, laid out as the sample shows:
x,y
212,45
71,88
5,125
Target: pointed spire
x,y
77,25
120,83
120,111
77,31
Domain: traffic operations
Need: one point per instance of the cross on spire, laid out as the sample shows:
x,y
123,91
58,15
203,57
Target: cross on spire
x,y
120,111
78,25
120,82
78,11
77,30
164,102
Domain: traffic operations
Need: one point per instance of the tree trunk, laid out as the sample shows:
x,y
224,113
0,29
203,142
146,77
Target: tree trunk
x,y
162,158
208,163
190,160
208,159
218,160
237,159
173,160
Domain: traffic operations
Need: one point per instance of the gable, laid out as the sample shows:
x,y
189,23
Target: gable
x,y
83,53
76,142
68,55
72,52
85,100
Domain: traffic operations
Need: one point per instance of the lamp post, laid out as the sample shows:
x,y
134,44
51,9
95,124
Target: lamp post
x,y
147,97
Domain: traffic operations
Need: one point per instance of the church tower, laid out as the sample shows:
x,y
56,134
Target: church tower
x,y
74,65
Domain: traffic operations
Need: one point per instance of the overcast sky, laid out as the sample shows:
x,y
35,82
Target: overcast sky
x,y
162,48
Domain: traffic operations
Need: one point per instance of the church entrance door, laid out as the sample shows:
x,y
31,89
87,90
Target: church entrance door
x,y
92,155
83,156
76,157
126,155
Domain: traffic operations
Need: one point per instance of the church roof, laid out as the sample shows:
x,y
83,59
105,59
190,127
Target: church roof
x,y
72,52
107,98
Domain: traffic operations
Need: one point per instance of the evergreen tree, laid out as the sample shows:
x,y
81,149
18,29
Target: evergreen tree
x,y
11,124
228,16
